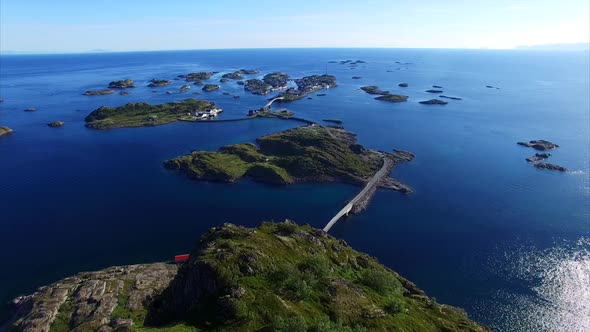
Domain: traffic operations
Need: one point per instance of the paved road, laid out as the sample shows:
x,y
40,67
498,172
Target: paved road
x,y
346,209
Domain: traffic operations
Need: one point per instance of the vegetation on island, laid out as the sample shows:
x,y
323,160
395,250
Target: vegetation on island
x,y
210,87
56,124
374,90
5,130
308,85
309,153
233,76
123,84
144,114
276,277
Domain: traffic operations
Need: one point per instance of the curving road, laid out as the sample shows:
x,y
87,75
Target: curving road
x,y
267,106
346,209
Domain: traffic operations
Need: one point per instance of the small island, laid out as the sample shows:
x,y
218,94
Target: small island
x,y
5,131
56,124
30,109
448,97
356,77
308,85
304,154
433,102
249,71
197,77
123,84
210,87
276,277
551,167
157,83
233,76
184,88
403,85
374,90
434,91
99,92
538,157
144,114
539,145
392,98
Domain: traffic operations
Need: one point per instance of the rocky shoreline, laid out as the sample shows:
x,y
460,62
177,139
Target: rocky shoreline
x,y
5,131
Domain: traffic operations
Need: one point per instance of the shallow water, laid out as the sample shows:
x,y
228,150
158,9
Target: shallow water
x,y
484,230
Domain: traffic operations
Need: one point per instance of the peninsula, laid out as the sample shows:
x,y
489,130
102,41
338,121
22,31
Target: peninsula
x,y
144,114
276,277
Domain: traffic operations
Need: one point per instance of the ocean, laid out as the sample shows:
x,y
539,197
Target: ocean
x,y
484,230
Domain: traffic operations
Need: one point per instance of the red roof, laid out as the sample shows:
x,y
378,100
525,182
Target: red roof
x,y
181,258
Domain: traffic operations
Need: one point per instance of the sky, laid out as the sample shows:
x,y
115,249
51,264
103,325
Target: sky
x,y
126,25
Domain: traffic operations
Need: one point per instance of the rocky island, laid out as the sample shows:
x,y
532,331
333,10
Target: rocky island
x,y
157,83
210,87
452,98
305,154
99,92
551,167
308,85
4,131
539,145
257,87
123,84
374,90
392,98
144,114
233,76
196,77
434,91
433,102
56,124
276,277
249,71
403,85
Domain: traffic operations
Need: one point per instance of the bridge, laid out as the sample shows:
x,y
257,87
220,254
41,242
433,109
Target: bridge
x,y
366,191
266,107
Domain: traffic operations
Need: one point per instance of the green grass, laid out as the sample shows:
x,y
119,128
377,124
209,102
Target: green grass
x,y
143,114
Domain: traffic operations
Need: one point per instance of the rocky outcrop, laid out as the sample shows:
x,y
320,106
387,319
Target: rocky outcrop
x,y
31,109
538,157
539,145
374,90
249,71
184,88
551,167
4,131
55,124
452,98
196,77
123,84
434,91
210,87
356,77
99,92
233,76
433,102
392,98
403,85
157,83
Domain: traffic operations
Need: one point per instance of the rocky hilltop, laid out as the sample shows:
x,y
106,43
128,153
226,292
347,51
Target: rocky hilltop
x,y
277,277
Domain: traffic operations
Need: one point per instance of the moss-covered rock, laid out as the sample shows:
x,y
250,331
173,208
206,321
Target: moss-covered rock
x,y
210,87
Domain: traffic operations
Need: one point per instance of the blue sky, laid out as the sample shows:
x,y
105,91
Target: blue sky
x,y
78,26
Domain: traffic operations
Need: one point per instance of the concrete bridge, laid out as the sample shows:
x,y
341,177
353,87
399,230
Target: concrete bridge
x,y
366,191
269,104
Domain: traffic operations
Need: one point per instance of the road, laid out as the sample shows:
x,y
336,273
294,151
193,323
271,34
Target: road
x,y
346,209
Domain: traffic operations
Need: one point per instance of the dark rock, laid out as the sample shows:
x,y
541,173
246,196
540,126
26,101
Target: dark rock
x,y
374,90
538,157
551,167
393,98
437,86
249,71
240,83
124,93
234,76
123,84
195,77
156,83
98,92
184,88
539,145
433,102
56,124
321,94
210,87
224,80
30,109
434,91
356,77
403,85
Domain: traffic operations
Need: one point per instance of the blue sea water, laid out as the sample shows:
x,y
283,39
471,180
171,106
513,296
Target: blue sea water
x,y
483,230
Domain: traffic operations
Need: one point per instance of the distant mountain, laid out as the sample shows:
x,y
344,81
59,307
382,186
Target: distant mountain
x,y
557,47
